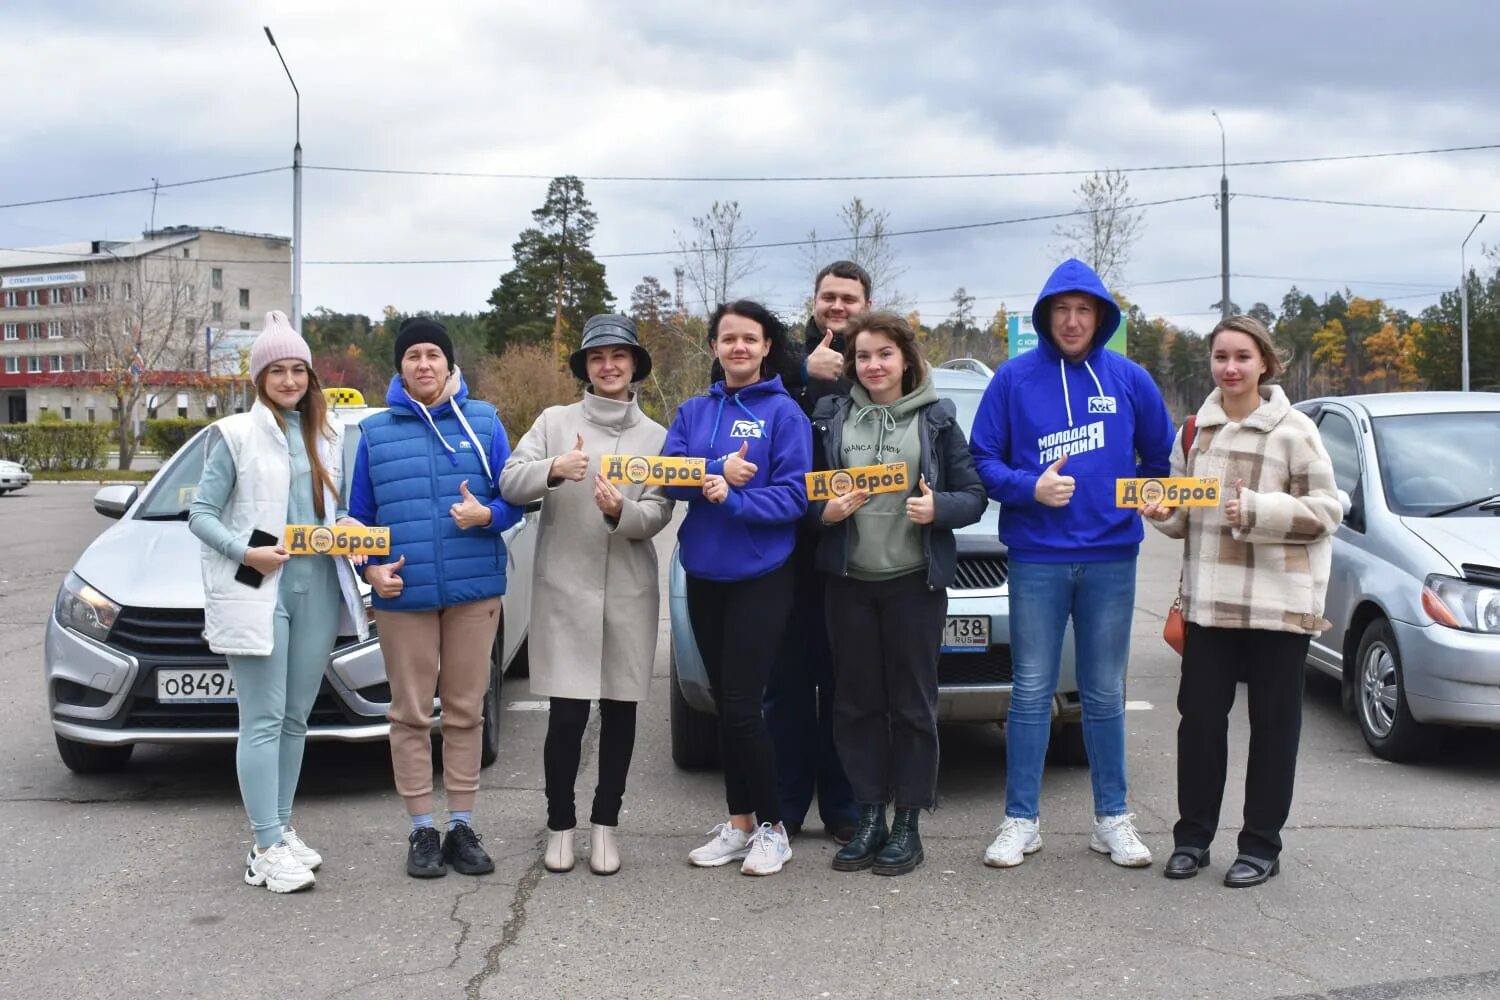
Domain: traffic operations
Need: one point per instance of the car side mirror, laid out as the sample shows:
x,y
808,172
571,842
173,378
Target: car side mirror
x,y
114,501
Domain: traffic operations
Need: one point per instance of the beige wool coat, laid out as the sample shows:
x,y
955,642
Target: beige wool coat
x,y
595,593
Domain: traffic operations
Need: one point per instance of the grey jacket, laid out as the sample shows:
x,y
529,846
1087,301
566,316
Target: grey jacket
x,y
958,495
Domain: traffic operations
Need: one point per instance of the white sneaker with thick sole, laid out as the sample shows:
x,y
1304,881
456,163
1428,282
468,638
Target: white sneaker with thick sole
x,y
310,858
728,844
278,870
1116,836
770,850
1015,839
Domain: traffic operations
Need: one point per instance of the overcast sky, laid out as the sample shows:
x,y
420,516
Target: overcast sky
x,y
114,94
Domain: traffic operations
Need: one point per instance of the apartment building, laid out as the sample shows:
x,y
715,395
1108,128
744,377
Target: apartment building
x,y
175,310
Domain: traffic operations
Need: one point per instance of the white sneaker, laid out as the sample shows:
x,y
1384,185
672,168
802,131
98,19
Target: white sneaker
x,y
278,870
728,844
1015,839
1116,836
310,858
770,850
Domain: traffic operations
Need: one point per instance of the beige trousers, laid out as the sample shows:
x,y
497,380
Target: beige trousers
x,y
444,652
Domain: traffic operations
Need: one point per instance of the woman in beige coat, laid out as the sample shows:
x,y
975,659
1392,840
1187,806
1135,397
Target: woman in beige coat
x,y
595,591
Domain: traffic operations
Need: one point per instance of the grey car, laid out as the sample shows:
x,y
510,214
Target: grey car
x,y
125,660
1414,593
13,476
974,667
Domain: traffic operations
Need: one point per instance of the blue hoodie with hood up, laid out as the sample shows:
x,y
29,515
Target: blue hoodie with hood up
x,y
754,530
1103,411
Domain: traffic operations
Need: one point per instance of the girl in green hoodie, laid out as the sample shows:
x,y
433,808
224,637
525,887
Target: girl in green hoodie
x,y
890,558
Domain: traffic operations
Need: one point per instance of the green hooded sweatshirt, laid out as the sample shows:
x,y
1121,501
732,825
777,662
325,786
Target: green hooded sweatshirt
x,y
883,543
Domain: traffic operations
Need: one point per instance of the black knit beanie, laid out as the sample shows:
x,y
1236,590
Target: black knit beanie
x,y
421,330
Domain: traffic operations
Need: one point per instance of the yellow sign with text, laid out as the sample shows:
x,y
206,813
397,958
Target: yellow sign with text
x,y
653,470
891,477
336,540
1182,491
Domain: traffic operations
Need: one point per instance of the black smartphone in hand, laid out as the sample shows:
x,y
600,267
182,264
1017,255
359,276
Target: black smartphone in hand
x,y
249,575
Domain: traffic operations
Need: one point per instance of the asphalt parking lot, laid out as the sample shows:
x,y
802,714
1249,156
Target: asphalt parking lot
x,y
129,885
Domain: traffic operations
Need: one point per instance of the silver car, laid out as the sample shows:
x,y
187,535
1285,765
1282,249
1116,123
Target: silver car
x,y
125,658
13,476
1414,594
974,667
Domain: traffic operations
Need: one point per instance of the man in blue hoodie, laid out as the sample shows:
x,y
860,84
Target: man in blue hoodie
x,y
1057,426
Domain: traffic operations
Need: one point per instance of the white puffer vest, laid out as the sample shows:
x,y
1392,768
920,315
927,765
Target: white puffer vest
x,y
239,619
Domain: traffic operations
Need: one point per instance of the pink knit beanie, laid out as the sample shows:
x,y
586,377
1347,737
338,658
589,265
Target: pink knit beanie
x,y
277,342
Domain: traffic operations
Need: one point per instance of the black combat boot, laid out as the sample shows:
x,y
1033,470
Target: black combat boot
x,y
903,850
869,838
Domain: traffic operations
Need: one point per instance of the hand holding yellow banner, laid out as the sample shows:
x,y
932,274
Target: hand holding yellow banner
x,y
888,478
653,470
1182,491
337,540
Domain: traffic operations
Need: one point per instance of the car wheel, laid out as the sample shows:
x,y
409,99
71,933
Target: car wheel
x,y
489,742
695,735
520,664
90,758
1067,744
1385,718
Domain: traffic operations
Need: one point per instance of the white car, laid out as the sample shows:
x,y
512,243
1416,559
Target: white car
x,y
13,476
126,661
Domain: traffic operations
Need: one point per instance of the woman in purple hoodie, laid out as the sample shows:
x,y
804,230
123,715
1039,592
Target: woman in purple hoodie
x,y
735,542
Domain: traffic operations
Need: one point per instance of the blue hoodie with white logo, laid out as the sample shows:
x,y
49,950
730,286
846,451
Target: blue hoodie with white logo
x,y
1103,411
753,531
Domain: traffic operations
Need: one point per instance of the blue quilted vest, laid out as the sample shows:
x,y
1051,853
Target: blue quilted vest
x,y
415,481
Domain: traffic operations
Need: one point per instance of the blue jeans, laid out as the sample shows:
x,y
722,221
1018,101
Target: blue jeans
x,y
1100,599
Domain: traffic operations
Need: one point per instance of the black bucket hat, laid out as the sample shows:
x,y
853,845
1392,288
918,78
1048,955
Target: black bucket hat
x,y
609,330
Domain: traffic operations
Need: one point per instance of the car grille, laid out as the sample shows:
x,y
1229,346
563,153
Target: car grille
x,y
992,666
979,573
162,634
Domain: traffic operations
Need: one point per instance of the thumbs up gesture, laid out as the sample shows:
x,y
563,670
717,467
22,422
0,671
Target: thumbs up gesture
x,y
1233,512
469,512
739,470
572,465
385,578
824,362
921,509
1055,489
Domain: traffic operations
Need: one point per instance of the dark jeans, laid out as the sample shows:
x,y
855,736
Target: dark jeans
x,y
563,747
1213,661
886,636
738,626
799,713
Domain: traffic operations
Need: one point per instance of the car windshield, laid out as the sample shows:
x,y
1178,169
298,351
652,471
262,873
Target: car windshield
x,y
1433,461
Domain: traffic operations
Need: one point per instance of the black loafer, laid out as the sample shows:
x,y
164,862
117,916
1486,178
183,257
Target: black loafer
x,y
1248,871
1185,862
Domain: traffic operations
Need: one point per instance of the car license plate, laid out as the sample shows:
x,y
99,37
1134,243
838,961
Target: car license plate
x,y
194,687
966,634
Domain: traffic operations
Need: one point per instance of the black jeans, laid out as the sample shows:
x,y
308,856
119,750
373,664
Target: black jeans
x,y
1272,665
738,626
885,636
563,748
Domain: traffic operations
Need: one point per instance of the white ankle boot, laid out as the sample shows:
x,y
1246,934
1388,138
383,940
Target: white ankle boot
x,y
604,853
559,856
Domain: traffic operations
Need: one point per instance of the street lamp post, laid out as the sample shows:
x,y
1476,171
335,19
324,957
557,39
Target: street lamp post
x,y
296,194
1223,219
1463,300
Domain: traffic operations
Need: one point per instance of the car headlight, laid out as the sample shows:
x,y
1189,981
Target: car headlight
x,y
1462,604
83,609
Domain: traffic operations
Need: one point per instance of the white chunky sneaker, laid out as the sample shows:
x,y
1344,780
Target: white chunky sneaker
x,y
728,844
310,858
770,850
278,870
1015,839
1116,836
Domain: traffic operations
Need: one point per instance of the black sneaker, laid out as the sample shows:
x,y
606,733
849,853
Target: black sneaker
x,y
461,850
424,858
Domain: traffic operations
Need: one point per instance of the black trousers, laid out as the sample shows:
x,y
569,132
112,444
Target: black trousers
x,y
1213,661
885,636
738,626
564,746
